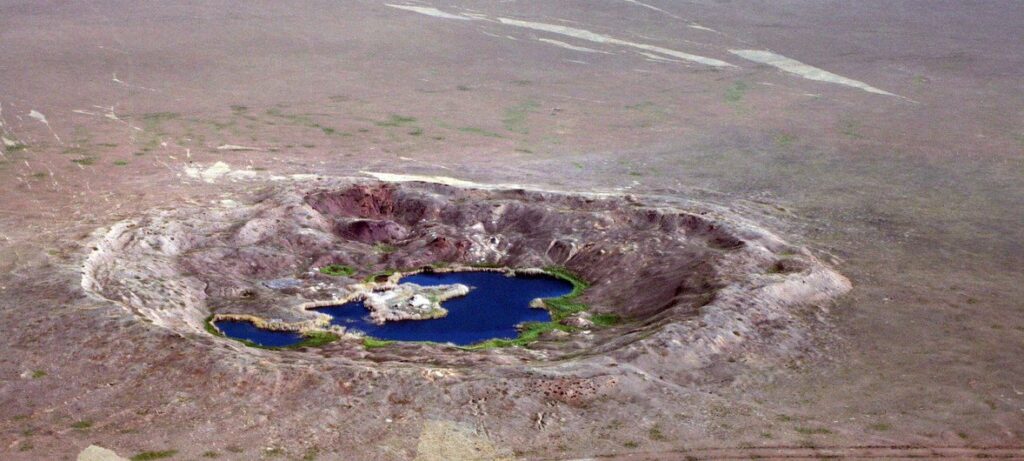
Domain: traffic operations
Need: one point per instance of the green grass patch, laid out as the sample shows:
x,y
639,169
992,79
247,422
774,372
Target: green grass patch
x,y
376,275
850,129
605,320
210,454
15,148
74,150
784,139
528,333
160,116
315,339
149,455
384,248
812,430
85,161
374,343
337,270
567,305
210,328
396,120
82,425
480,131
515,117
309,339
563,307
416,131
736,92
880,427
120,162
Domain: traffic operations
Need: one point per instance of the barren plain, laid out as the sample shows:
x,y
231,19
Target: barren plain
x,y
804,216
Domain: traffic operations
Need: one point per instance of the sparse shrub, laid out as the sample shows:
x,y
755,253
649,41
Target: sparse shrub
x,y
605,320
384,248
881,427
373,343
812,430
337,270
150,455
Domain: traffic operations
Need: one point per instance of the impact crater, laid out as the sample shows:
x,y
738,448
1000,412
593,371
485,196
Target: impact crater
x,y
666,279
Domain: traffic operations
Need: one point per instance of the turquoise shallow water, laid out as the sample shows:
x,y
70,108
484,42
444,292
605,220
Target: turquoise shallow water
x,y
496,303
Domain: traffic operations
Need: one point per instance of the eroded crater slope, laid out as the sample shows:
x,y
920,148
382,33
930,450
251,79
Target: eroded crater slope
x,y
691,282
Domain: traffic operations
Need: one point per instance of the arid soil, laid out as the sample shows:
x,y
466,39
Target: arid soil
x,y
734,149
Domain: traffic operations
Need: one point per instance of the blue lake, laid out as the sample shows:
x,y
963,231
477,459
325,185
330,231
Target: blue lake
x,y
239,329
496,303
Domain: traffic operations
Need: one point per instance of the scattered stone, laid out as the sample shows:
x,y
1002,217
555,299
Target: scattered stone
x,y
410,301
98,453
282,284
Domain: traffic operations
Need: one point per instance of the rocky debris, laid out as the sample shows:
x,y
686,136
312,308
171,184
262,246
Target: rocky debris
x,y
576,391
410,301
362,200
454,441
371,231
98,453
582,322
282,284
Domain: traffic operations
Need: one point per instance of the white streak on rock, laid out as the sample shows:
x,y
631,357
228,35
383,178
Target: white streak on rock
x,y
571,47
694,25
449,181
806,71
233,147
574,32
584,34
129,85
217,171
654,57
652,8
38,116
430,12
42,119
